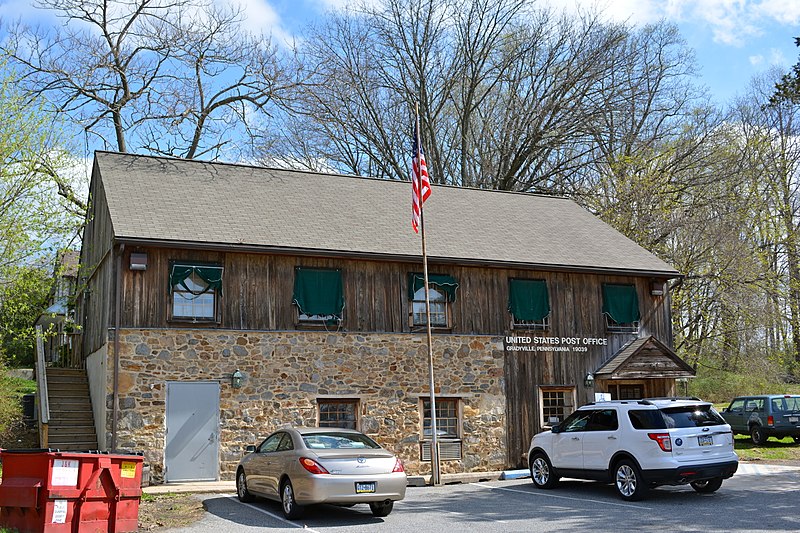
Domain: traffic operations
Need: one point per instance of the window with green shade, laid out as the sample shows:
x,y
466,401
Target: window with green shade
x,y
194,290
621,307
318,295
441,292
528,303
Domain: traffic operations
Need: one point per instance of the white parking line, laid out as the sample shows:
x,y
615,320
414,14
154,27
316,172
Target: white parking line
x,y
273,515
547,494
760,469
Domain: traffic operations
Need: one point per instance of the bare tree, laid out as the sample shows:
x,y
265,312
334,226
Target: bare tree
x,y
167,76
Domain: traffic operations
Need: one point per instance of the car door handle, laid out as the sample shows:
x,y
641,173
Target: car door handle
x,y
612,437
576,438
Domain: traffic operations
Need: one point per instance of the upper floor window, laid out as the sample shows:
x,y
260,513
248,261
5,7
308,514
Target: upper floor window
x,y
194,290
318,295
528,303
441,293
621,308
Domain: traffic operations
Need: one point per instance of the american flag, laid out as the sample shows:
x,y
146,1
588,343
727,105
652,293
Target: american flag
x,y
419,179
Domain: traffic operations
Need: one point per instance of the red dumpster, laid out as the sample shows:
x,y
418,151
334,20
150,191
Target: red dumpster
x,y
53,492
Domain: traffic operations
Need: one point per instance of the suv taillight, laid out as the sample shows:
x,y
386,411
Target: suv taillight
x,y
663,440
770,420
398,466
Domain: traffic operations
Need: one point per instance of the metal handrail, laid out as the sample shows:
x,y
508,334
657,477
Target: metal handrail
x,y
41,389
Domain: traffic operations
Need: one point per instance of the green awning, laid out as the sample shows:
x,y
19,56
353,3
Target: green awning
x,y
212,275
621,303
318,291
444,283
528,299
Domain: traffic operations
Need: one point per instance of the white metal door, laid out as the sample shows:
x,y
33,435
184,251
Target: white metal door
x,y
192,442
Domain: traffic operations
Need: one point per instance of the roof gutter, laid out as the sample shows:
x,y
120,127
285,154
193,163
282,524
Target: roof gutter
x,y
366,256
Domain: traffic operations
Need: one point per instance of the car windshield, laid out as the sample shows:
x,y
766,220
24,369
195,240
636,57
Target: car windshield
x,y
337,440
692,416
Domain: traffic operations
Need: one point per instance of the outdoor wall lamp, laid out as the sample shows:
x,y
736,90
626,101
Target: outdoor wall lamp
x,y
236,379
589,380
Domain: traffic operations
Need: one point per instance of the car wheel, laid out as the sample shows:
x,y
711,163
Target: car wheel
x,y
628,481
707,485
796,440
381,508
757,435
542,473
291,510
243,494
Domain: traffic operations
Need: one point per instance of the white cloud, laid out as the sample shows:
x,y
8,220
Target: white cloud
x,y
731,22
756,60
776,57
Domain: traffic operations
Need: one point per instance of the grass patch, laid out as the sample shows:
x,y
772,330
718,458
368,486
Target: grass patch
x,y
772,450
721,387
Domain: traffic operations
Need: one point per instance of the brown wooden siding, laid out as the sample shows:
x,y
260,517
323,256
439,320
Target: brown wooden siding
x,y
257,295
95,284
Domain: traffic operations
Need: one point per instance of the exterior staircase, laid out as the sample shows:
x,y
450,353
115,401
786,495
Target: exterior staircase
x,y
71,424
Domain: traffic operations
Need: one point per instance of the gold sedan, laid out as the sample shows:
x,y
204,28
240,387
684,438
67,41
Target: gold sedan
x,y
301,466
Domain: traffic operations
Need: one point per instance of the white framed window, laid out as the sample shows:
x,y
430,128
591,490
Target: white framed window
x,y
448,428
194,291
440,308
555,404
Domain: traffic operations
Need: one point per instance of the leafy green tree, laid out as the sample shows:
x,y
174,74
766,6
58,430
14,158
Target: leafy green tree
x,y
22,299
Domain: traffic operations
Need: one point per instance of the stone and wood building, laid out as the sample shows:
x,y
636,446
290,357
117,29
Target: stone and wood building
x,y
220,301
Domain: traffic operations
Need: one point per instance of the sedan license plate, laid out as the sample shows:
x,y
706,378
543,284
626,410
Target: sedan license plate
x,y
364,488
705,440
793,420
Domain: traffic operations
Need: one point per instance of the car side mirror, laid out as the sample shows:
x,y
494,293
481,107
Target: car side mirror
x,y
556,429
250,449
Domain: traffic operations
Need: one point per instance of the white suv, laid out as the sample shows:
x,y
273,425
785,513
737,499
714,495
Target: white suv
x,y
637,444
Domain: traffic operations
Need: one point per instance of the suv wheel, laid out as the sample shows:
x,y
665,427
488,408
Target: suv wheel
x,y
757,435
628,481
542,472
707,485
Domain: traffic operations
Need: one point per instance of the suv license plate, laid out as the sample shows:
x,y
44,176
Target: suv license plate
x,y
363,488
793,420
705,440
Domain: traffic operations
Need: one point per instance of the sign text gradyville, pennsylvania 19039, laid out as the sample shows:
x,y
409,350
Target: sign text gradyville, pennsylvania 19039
x,y
552,344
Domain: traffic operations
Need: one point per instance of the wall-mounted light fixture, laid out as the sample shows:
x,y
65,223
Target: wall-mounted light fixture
x,y
138,261
588,381
236,379
657,288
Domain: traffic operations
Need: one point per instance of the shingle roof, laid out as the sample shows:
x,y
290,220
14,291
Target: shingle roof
x,y
164,199
644,348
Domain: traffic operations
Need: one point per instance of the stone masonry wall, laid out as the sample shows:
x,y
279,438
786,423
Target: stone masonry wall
x,y
285,372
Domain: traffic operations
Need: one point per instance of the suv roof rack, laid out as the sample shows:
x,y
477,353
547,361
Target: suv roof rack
x,y
675,398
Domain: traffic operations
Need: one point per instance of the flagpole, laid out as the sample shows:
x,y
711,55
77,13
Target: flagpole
x,y
435,475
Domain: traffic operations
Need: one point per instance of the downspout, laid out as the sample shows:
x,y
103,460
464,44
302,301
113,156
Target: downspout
x,y
117,310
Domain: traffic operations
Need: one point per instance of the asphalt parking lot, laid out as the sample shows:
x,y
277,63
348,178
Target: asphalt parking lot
x,y
757,498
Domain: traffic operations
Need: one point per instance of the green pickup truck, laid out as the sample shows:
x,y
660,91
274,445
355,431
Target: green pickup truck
x,y
764,416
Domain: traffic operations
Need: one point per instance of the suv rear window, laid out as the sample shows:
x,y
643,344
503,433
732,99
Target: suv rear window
x,y
692,416
675,417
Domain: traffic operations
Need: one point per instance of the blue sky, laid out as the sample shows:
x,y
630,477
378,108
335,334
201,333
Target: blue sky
x,y
733,39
